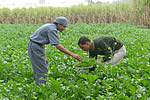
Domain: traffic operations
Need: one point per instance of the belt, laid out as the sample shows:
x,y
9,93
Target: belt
x,y
35,42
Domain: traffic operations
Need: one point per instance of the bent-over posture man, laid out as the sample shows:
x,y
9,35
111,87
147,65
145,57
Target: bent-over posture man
x,y
111,48
36,48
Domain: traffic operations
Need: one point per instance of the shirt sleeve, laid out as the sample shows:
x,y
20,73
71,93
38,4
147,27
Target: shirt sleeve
x,y
107,57
108,52
53,37
92,55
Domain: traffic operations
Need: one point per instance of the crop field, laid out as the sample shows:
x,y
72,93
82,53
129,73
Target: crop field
x,y
129,80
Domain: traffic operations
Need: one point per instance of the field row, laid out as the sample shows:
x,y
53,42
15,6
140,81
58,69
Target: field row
x,y
128,80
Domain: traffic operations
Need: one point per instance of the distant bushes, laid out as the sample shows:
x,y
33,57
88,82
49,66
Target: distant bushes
x,y
132,13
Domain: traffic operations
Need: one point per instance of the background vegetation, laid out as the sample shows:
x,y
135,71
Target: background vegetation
x,y
135,13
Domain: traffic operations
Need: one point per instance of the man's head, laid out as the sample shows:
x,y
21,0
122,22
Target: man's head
x,y
84,43
61,23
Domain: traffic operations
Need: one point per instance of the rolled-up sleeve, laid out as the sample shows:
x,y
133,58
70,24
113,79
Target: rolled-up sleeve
x,y
107,57
108,54
108,51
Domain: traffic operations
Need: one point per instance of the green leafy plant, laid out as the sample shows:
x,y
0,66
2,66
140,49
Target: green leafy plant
x,y
128,80
86,63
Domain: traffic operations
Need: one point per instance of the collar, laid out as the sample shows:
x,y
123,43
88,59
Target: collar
x,y
92,45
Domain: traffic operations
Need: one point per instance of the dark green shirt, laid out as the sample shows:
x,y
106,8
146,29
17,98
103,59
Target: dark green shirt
x,y
104,45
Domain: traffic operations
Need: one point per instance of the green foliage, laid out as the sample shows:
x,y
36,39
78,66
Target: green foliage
x,y
76,14
86,62
5,12
141,5
128,80
142,2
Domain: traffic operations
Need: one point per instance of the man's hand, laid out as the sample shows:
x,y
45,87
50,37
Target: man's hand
x,y
46,61
61,48
77,57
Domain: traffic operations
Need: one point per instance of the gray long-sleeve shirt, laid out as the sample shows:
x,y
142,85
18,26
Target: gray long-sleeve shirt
x,y
46,34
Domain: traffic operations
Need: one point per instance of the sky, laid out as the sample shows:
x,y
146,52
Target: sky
x,y
110,1
35,3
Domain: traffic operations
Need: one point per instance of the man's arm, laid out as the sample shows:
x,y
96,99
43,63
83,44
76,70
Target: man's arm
x,y
64,50
100,60
45,54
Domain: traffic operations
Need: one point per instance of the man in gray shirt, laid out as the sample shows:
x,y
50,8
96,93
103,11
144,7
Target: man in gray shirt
x,y
36,48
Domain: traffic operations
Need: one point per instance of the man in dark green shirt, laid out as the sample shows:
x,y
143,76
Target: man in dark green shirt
x,y
111,48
